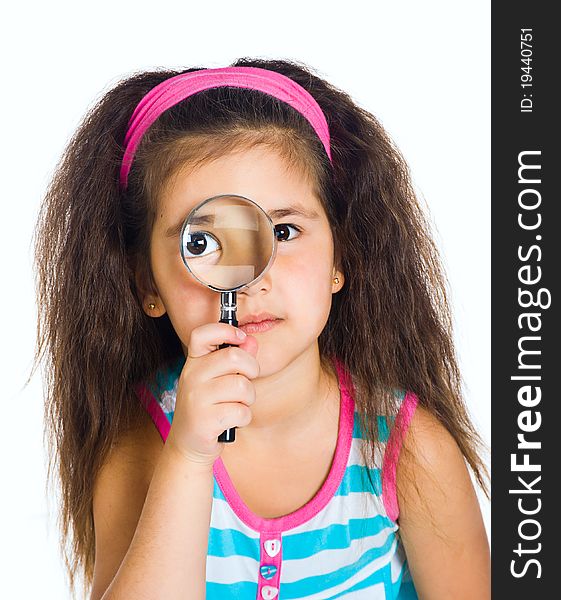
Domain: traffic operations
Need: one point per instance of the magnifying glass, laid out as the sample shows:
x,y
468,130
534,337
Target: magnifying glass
x,y
228,243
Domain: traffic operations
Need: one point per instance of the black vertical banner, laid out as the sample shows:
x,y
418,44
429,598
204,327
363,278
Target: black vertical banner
x,y
526,268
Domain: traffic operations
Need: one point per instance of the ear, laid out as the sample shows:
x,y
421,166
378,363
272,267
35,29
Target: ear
x,y
148,295
338,281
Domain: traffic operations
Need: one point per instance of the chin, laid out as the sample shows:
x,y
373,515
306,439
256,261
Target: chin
x,y
273,358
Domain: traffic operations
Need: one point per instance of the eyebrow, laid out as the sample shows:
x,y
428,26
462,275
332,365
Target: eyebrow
x,y
277,213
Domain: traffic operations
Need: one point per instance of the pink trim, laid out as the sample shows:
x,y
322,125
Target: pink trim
x,y
326,492
154,410
391,455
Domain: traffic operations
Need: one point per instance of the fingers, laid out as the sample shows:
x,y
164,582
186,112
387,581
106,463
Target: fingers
x,y
205,338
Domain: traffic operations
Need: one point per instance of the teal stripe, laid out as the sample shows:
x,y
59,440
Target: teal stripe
x,y
320,583
407,591
383,428
243,590
230,542
166,377
217,492
384,423
359,478
333,537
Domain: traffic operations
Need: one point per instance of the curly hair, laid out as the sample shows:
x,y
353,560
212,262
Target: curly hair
x,y
390,325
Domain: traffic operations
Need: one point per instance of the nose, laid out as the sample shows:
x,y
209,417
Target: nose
x,y
261,286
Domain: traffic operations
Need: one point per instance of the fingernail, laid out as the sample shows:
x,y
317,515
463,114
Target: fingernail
x,y
241,334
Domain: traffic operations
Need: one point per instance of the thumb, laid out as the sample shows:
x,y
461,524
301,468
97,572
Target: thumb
x,y
250,345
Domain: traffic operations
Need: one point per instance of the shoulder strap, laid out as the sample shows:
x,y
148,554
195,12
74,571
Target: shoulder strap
x,y
391,454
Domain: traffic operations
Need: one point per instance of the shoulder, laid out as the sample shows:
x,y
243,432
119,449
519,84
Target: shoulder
x,y
137,449
430,463
428,443
416,439
440,520
120,489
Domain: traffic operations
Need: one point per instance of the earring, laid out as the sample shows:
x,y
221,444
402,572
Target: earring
x,y
151,306
336,280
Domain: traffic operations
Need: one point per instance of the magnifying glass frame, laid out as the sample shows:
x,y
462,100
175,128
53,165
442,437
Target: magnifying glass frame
x,y
242,286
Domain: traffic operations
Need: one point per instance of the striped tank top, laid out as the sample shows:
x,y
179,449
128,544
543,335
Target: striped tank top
x,y
344,543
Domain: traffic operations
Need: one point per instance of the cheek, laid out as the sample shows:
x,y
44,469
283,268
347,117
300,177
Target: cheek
x,y
192,305
313,264
306,281
188,303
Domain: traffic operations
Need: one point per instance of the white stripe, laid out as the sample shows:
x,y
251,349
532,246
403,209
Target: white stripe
x,y
355,456
231,569
327,561
356,505
349,583
223,517
397,562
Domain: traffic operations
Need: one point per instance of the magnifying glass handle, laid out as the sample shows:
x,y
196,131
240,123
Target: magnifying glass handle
x,y
230,434
228,315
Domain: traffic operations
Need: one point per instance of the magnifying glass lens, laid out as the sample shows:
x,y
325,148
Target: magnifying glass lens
x,y
227,242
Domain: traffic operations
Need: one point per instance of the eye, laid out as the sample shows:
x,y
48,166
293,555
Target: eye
x,y
199,243
282,231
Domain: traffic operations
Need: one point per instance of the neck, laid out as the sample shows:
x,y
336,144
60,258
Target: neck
x,y
288,401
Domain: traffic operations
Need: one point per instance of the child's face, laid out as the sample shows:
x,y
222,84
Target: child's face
x,y
297,288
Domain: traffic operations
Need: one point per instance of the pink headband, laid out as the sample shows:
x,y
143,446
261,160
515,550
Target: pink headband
x,y
177,88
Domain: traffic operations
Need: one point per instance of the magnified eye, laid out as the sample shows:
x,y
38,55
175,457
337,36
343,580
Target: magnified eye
x,y
200,243
282,231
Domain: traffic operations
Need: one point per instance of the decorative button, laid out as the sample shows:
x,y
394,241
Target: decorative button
x,y
268,571
272,547
269,592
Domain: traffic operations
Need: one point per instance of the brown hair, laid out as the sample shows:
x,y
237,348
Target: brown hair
x,y
390,325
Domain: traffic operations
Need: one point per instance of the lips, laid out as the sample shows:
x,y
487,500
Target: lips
x,y
260,327
254,318
259,323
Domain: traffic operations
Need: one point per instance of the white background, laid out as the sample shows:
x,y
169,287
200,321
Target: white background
x,y
423,68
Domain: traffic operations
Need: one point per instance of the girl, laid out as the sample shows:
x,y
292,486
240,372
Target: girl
x,y
347,477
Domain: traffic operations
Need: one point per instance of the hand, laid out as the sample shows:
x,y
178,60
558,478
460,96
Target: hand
x,y
214,391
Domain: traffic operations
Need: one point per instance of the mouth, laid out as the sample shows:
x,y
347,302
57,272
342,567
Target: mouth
x,y
260,327
258,323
